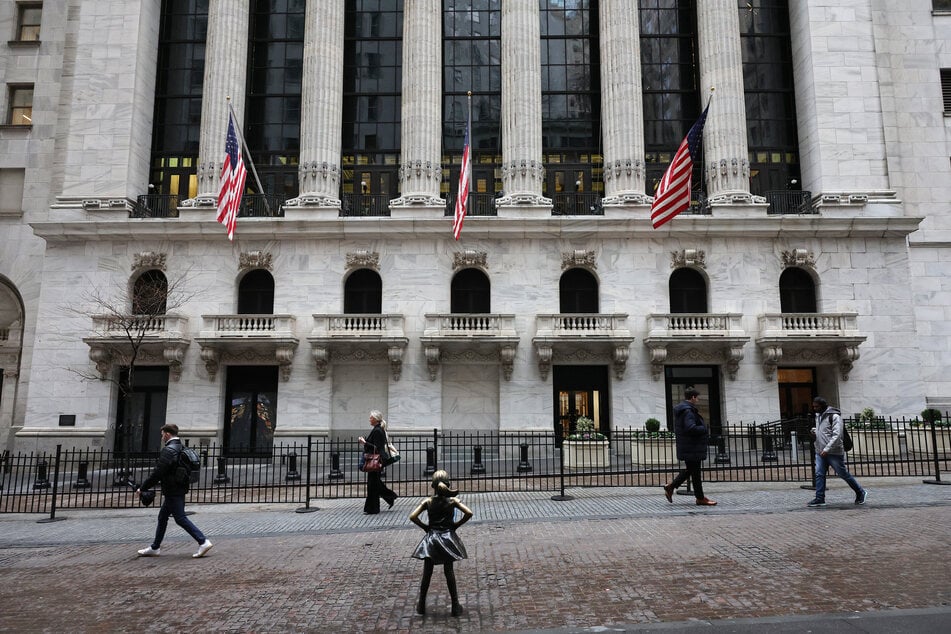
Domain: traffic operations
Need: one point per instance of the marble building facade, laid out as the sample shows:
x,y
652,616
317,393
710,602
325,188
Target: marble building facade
x,y
873,237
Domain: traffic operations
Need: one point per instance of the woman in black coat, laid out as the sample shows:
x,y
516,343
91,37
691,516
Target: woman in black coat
x,y
693,438
375,442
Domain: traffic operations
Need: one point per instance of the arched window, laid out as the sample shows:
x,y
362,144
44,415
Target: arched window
x,y
797,291
470,292
578,292
150,293
688,292
363,293
256,293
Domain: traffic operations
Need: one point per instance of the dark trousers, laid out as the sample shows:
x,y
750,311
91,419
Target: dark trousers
x,y
174,505
376,490
692,471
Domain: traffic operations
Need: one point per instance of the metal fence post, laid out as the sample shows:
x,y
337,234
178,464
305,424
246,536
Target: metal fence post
x,y
561,497
934,452
52,517
307,508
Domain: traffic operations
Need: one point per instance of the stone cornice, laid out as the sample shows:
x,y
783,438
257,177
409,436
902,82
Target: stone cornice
x,y
495,228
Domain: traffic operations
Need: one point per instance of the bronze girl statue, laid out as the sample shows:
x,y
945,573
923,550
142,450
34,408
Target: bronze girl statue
x,y
441,546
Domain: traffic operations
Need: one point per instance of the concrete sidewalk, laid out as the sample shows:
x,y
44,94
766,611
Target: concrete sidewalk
x,y
610,558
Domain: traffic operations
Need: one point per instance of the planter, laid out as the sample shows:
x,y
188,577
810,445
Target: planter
x,y
874,442
919,440
583,454
654,451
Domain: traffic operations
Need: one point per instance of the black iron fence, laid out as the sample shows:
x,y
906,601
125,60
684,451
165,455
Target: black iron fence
x,y
479,462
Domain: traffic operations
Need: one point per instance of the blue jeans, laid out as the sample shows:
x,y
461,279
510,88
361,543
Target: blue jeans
x,y
174,505
837,462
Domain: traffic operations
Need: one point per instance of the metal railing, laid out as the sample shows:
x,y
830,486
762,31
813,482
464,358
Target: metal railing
x,y
480,204
262,206
369,205
479,461
782,202
155,206
577,204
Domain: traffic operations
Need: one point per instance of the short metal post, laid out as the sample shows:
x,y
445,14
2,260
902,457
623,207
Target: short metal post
x,y
82,480
794,441
769,455
430,461
221,477
722,457
42,479
292,473
524,466
335,472
477,466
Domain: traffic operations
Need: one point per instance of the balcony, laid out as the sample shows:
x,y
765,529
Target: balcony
x,y
569,334
247,339
809,339
356,205
468,336
155,206
142,339
691,337
479,204
577,204
786,202
360,337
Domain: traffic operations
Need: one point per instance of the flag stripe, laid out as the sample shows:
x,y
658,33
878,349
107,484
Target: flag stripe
x,y
673,192
233,177
462,192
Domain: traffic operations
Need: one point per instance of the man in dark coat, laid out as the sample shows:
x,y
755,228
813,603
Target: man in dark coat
x,y
692,440
173,495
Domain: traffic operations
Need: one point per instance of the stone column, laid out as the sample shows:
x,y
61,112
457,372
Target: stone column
x,y
725,152
321,106
522,169
622,111
421,132
226,61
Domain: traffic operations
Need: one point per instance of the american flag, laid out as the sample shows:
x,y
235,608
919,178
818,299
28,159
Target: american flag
x,y
233,176
462,192
673,192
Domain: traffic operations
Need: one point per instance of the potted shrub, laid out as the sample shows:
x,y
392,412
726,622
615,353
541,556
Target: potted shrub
x,y
872,435
586,447
651,446
919,436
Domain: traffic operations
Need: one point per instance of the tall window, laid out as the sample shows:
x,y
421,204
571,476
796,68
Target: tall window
x,y
670,82
688,292
578,292
770,96
150,293
256,293
797,291
571,105
946,88
178,94
372,86
363,293
472,60
470,292
274,93
21,105
251,409
28,21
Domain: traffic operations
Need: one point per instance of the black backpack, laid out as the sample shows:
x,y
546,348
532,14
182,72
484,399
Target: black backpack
x,y
189,466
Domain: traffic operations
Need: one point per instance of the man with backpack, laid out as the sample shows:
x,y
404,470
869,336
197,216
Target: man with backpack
x,y
175,479
829,433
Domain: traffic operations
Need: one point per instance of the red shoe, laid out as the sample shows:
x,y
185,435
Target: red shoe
x,y
705,502
669,492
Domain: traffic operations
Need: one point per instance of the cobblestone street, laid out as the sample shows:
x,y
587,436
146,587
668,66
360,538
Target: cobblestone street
x,y
609,557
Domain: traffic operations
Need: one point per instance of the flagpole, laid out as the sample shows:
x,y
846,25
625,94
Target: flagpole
x,y
469,132
703,170
247,153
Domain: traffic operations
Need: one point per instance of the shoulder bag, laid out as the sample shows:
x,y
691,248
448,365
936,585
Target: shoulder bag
x,y
372,463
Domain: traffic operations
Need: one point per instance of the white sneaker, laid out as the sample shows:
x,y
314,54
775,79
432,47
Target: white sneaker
x,y
204,548
150,552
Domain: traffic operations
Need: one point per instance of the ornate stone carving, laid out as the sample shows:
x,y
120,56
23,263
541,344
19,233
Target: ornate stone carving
x,y
798,257
363,260
148,260
688,257
432,361
578,257
469,258
249,260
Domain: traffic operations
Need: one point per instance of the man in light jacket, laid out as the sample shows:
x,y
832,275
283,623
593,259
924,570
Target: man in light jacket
x,y
829,432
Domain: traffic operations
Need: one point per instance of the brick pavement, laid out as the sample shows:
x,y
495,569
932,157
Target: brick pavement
x,y
608,557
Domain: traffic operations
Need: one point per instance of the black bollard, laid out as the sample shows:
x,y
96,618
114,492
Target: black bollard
x,y
222,477
82,481
722,456
430,461
335,472
524,466
42,480
477,466
292,473
769,455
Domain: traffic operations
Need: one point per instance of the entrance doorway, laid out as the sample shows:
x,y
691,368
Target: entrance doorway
x,y
251,411
797,387
140,412
704,379
580,390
